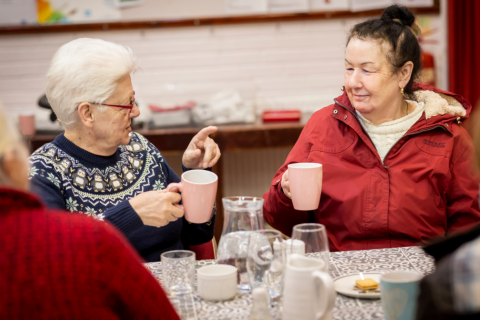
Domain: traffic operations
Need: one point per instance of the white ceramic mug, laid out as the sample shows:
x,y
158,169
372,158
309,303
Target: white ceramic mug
x,y
217,282
308,293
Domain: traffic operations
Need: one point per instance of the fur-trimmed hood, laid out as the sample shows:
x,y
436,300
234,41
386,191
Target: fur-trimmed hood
x,y
439,104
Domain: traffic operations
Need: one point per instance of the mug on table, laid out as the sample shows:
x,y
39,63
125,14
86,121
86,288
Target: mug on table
x,y
198,188
399,292
308,292
26,123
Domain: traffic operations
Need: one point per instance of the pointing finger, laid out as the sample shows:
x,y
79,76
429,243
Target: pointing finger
x,y
203,134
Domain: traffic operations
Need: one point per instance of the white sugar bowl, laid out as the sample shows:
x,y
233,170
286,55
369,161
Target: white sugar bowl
x,y
217,282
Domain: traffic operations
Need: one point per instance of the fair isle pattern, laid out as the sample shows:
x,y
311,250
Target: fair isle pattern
x,y
91,190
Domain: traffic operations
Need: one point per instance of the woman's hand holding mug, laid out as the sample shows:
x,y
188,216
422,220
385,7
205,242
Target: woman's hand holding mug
x,y
157,208
286,185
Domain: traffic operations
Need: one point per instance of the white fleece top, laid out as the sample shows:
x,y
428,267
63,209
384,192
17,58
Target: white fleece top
x,y
385,135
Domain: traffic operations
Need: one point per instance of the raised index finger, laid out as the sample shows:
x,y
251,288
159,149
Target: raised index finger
x,y
203,134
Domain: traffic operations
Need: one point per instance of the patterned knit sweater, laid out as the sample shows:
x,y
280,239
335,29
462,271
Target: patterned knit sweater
x,y
68,177
385,135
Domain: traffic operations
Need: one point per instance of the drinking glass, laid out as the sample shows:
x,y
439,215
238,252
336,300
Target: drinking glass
x,y
314,235
242,215
178,272
266,258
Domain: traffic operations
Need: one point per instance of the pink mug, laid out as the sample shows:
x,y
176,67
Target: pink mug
x,y
199,189
27,124
305,185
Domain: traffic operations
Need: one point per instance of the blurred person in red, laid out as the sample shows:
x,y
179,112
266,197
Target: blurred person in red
x,y
59,266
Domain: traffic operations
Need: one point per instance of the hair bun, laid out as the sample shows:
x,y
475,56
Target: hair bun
x,y
398,13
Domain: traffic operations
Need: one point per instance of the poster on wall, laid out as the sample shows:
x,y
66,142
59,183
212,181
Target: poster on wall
x,y
330,5
290,6
72,11
364,5
246,6
15,12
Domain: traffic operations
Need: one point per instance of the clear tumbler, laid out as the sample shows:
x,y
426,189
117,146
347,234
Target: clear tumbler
x,y
178,272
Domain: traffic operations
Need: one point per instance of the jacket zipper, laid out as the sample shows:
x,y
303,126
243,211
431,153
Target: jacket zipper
x,y
365,131
410,134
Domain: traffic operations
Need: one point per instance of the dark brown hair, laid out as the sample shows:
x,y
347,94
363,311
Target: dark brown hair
x,y
392,27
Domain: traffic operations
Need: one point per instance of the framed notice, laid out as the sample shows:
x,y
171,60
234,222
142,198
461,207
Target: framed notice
x,y
246,6
330,5
364,5
415,3
14,12
289,6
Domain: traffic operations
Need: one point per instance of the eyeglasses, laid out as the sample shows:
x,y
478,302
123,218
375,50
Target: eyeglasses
x,y
117,105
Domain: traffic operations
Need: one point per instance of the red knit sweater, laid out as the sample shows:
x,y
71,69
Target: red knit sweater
x,y
66,266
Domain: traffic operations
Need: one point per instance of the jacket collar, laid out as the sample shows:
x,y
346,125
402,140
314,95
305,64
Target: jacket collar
x,y
13,201
434,117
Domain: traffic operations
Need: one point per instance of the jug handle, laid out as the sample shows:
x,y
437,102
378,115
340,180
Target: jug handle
x,y
323,288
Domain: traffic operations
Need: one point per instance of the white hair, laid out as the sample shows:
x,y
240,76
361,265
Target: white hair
x,y
85,70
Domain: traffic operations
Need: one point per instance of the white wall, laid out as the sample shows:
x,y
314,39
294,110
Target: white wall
x,y
301,58
295,59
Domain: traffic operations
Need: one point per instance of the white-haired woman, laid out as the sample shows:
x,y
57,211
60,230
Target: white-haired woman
x,y
99,167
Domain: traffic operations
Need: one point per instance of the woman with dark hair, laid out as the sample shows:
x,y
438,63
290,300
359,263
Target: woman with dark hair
x,y
397,166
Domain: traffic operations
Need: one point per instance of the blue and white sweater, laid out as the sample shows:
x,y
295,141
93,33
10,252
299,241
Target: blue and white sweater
x,y
68,177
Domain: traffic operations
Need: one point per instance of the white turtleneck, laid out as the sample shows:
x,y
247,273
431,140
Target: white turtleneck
x,y
385,135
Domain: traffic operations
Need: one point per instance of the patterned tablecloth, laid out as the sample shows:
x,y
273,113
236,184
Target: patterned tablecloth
x,y
341,263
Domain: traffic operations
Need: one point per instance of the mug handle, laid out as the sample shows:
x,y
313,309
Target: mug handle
x,y
323,289
177,187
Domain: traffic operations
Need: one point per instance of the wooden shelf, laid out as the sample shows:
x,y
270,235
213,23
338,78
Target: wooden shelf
x,y
228,137
55,28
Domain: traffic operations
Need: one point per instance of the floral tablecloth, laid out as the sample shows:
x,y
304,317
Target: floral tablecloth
x,y
341,263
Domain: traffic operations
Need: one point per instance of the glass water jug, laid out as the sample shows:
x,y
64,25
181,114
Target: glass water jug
x,y
242,215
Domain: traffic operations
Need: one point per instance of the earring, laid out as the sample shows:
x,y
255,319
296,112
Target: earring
x,y
343,88
401,91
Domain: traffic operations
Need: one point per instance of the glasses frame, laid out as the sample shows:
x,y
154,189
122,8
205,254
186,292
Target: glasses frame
x,y
116,105
129,107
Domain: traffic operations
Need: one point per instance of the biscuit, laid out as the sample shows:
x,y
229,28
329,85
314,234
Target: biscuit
x,y
367,284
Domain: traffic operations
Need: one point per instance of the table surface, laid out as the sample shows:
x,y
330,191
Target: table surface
x,y
341,263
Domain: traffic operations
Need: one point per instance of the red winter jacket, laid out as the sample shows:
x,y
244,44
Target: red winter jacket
x,y
427,185
56,265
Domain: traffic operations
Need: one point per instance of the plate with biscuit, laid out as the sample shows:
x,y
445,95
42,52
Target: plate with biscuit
x,y
362,286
